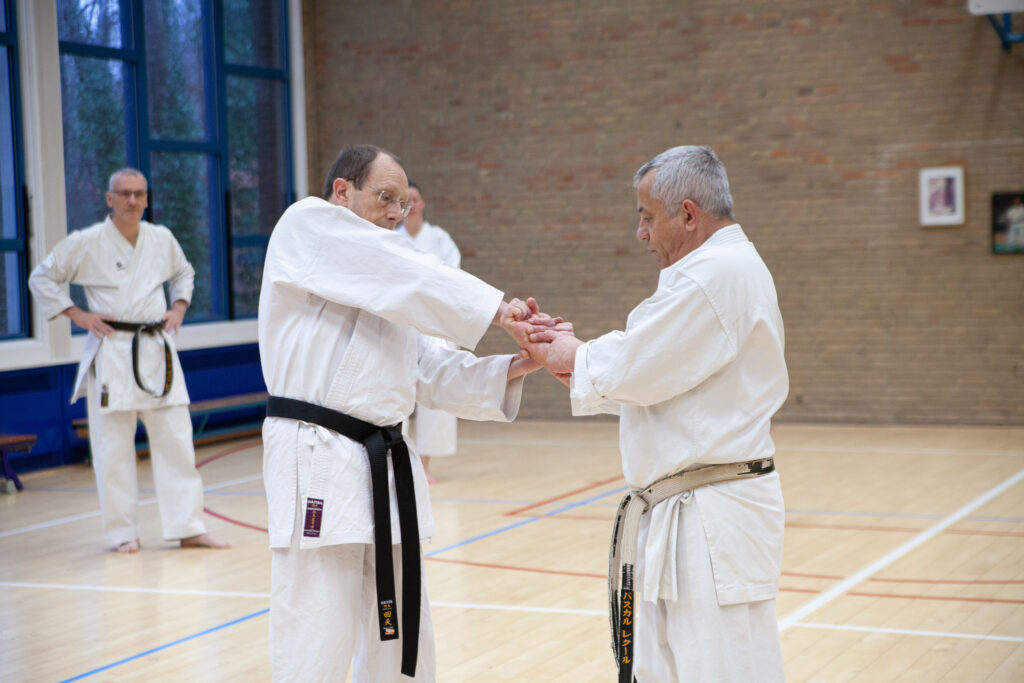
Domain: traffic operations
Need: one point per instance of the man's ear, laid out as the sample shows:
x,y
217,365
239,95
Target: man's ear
x,y
688,213
341,192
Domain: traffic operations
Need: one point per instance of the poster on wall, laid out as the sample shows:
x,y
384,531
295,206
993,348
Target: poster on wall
x,y
941,195
1008,222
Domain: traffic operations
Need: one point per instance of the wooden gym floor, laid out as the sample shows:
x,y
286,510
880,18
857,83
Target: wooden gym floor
x,y
904,561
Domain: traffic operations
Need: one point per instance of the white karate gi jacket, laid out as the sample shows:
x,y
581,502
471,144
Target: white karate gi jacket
x,y
342,309
696,377
435,240
437,431
126,283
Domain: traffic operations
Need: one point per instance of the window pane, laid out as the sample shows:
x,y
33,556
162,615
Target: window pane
x,y
93,22
93,102
254,37
8,185
247,275
175,69
256,149
11,293
183,201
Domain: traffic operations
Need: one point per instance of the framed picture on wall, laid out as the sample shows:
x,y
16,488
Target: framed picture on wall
x,y
1008,222
941,194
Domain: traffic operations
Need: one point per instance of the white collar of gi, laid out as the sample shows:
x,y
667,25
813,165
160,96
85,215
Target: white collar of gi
x,y
730,234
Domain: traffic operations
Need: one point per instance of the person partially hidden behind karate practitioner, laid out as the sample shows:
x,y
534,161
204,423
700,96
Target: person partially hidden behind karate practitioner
x,y
122,263
435,432
349,319
695,377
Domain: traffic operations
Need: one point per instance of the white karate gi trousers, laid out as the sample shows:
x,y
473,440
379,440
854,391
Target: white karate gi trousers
x,y
696,639
179,488
323,617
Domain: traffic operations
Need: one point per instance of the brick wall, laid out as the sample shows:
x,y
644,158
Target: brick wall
x,y
525,121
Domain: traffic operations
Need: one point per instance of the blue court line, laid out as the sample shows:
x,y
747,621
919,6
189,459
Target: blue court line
x,y
164,647
148,492
482,501
570,506
529,520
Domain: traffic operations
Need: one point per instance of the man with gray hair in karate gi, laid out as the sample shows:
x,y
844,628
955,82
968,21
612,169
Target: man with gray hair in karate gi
x,y
695,377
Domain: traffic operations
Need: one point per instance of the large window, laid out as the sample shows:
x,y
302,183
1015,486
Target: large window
x,y
13,292
195,94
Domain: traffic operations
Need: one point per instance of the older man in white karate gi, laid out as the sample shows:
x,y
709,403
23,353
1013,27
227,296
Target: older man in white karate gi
x,y
696,377
344,317
129,368
435,432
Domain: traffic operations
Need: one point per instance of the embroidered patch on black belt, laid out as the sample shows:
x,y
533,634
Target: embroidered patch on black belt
x,y
314,513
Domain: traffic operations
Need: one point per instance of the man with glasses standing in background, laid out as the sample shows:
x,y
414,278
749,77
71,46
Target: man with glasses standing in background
x,y
434,432
129,368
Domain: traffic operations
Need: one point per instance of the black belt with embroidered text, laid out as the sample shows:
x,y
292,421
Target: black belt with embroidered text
x,y
154,328
378,441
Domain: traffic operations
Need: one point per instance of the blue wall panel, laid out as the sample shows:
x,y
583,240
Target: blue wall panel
x,y
35,401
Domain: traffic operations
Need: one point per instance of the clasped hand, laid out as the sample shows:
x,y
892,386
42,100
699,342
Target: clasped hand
x,y
547,341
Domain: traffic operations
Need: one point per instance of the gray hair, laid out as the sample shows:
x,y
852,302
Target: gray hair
x,y
689,172
127,170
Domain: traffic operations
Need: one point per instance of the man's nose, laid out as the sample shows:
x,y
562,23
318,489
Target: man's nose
x,y
641,233
394,212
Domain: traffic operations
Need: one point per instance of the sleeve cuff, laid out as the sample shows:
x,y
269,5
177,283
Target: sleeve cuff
x,y
474,332
582,393
58,307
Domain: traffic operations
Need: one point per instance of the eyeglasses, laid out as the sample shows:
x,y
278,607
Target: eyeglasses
x,y
125,194
387,199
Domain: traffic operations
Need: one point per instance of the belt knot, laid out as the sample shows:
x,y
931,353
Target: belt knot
x,y
392,435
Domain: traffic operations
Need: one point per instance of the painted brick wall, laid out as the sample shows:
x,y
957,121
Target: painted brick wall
x,y
525,121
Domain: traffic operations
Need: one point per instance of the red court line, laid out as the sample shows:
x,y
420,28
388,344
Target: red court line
x,y
793,525
814,576
240,447
855,527
518,569
935,597
233,521
594,485
852,527
970,532
537,570
966,582
236,449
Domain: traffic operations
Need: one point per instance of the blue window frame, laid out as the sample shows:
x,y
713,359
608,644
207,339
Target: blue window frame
x,y
164,86
14,321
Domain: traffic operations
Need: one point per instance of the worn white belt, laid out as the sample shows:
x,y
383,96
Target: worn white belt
x,y
622,554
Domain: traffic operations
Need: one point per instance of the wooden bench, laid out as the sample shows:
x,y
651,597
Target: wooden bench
x,y
11,443
203,410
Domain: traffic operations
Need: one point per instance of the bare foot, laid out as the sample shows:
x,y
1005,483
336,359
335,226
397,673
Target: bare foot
x,y
203,541
131,547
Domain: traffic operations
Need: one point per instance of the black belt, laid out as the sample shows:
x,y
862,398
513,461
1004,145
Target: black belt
x,y
378,441
140,329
